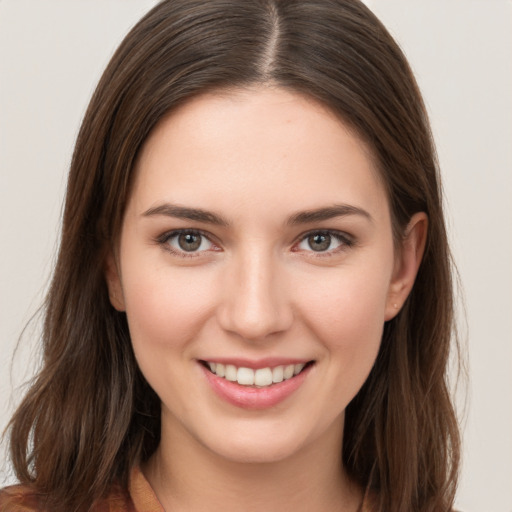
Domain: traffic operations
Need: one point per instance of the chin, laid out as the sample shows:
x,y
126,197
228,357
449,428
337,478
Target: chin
x,y
260,452
259,443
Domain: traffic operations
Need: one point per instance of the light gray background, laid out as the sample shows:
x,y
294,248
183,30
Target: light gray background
x,y
51,55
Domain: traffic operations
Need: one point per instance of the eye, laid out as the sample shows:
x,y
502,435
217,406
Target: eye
x,y
324,241
186,242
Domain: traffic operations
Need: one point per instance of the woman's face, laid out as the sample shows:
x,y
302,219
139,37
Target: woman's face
x,y
257,240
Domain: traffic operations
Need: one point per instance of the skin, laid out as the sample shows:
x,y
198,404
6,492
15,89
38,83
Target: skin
x,y
256,288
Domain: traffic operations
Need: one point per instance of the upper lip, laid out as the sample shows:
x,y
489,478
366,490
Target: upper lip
x,y
256,364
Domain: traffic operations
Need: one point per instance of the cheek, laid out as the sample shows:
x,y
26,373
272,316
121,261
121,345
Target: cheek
x,y
165,308
345,300
346,314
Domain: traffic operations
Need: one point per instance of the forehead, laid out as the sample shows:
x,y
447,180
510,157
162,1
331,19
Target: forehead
x,y
256,145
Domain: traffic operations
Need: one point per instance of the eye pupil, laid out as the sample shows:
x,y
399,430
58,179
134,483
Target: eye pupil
x,y
189,241
319,242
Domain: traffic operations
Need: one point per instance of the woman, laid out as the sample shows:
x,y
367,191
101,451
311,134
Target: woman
x,y
252,302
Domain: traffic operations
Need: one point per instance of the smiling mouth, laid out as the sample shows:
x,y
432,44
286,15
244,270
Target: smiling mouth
x,y
260,378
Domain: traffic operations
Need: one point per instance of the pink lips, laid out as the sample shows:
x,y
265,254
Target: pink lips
x,y
252,397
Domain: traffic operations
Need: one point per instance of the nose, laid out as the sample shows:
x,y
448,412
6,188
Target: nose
x,y
255,301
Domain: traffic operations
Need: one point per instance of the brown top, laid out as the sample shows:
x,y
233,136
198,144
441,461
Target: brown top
x,y
142,495
140,498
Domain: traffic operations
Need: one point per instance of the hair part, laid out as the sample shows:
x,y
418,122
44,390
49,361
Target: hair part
x,y
90,415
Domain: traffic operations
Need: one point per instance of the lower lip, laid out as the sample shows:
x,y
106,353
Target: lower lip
x,y
251,397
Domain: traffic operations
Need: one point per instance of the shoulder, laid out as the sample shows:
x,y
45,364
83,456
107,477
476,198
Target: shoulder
x,y
25,498
20,498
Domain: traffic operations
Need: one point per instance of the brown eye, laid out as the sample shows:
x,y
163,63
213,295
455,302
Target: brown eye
x,y
189,241
319,242
324,242
183,242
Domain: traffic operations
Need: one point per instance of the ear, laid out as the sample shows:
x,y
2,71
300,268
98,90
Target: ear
x,y
113,277
407,263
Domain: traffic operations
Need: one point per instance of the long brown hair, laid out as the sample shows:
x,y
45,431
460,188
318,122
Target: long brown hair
x,y
90,416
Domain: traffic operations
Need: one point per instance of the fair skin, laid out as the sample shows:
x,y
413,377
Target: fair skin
x,y
285,257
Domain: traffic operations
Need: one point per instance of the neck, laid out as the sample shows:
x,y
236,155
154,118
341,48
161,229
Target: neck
x,y
187,476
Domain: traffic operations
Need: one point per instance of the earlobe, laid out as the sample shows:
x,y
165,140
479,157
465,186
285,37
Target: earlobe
x,y
112,276
407,263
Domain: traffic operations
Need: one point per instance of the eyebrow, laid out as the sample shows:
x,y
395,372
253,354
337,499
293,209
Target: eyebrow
x,y
330,212
182,212
304,217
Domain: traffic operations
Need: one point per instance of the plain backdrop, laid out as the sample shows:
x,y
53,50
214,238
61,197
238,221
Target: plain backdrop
x,y
52,53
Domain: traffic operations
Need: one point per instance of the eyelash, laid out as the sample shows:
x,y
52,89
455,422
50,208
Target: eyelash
x,y
346,242
165,238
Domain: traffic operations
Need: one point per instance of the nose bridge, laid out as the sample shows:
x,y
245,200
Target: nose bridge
x,y
255,302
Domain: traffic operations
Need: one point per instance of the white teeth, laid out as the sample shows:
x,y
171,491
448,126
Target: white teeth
x,y
245,376
277,374
288,371
220,370
230,372
263,377
298,368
